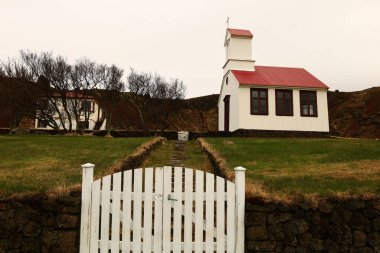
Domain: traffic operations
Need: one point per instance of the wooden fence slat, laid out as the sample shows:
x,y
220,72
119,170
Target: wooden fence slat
x,y
115,209
220,222
188,211
95,206
209,212
240,208
166,210
158,190
148,190
137,208
231,229
199,192
105,216
177,212
126,228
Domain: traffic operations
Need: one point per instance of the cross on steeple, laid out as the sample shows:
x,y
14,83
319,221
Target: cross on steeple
x,y
228,22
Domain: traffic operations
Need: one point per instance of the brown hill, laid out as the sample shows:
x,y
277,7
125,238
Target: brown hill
x,y
355,114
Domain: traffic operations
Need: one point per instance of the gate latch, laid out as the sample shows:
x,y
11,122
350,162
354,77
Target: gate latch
x,y
170,197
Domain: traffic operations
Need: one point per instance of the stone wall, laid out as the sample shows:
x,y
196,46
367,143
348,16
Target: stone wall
x,y
38,223
332,226
43,224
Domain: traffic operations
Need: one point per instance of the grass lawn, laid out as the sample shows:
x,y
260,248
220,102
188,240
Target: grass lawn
x,y
39,163
305,166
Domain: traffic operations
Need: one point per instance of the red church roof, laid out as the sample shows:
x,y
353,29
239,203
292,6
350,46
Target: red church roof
x,y
278,76
239,32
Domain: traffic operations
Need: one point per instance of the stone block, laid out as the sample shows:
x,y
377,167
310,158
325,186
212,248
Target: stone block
x,y
256,219
347,214
371,213
60,241
289,250
32,229
262,245
336,218
305,206
359,221
359,238
334,232
316,244
374,241
365,250
325,207
290,241
376,224
278,217
331,246
300,249
67,221
346,235
258,233
296,227
376,205
31,245
276,232
305,239
355,204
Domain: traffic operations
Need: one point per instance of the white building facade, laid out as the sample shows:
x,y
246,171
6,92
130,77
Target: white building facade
x,y
96,118
267,98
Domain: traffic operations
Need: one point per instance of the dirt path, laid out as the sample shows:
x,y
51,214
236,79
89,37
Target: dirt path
x,y
179,153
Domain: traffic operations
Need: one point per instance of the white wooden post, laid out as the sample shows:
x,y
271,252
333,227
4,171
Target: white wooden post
x,y
87,178
240,208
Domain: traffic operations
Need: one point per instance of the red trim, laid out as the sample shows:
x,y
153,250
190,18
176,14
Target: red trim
x,y
240,32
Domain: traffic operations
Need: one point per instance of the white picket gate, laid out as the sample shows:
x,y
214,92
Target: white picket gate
x,y
162,209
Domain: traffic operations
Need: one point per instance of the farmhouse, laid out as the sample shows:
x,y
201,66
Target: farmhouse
x,y
268,98
90,115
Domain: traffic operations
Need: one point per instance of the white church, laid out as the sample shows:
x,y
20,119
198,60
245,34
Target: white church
x,y
268,98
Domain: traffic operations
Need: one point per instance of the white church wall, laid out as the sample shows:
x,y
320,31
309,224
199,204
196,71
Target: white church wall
x,y
288,123
231,89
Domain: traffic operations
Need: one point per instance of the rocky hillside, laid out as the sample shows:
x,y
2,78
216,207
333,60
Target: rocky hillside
x,y
355,114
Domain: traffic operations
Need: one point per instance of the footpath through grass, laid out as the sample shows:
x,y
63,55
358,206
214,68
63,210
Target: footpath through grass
x,y
321,167
39,163
189,156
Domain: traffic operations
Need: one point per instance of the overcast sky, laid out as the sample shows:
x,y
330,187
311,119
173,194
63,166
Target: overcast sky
x,y
338,41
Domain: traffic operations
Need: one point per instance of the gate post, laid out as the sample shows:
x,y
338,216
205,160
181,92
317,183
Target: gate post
x,y
240,208
87,178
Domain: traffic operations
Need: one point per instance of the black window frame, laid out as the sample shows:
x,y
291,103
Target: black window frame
x,y
308,93
87,106
283,102
260,99
41,123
